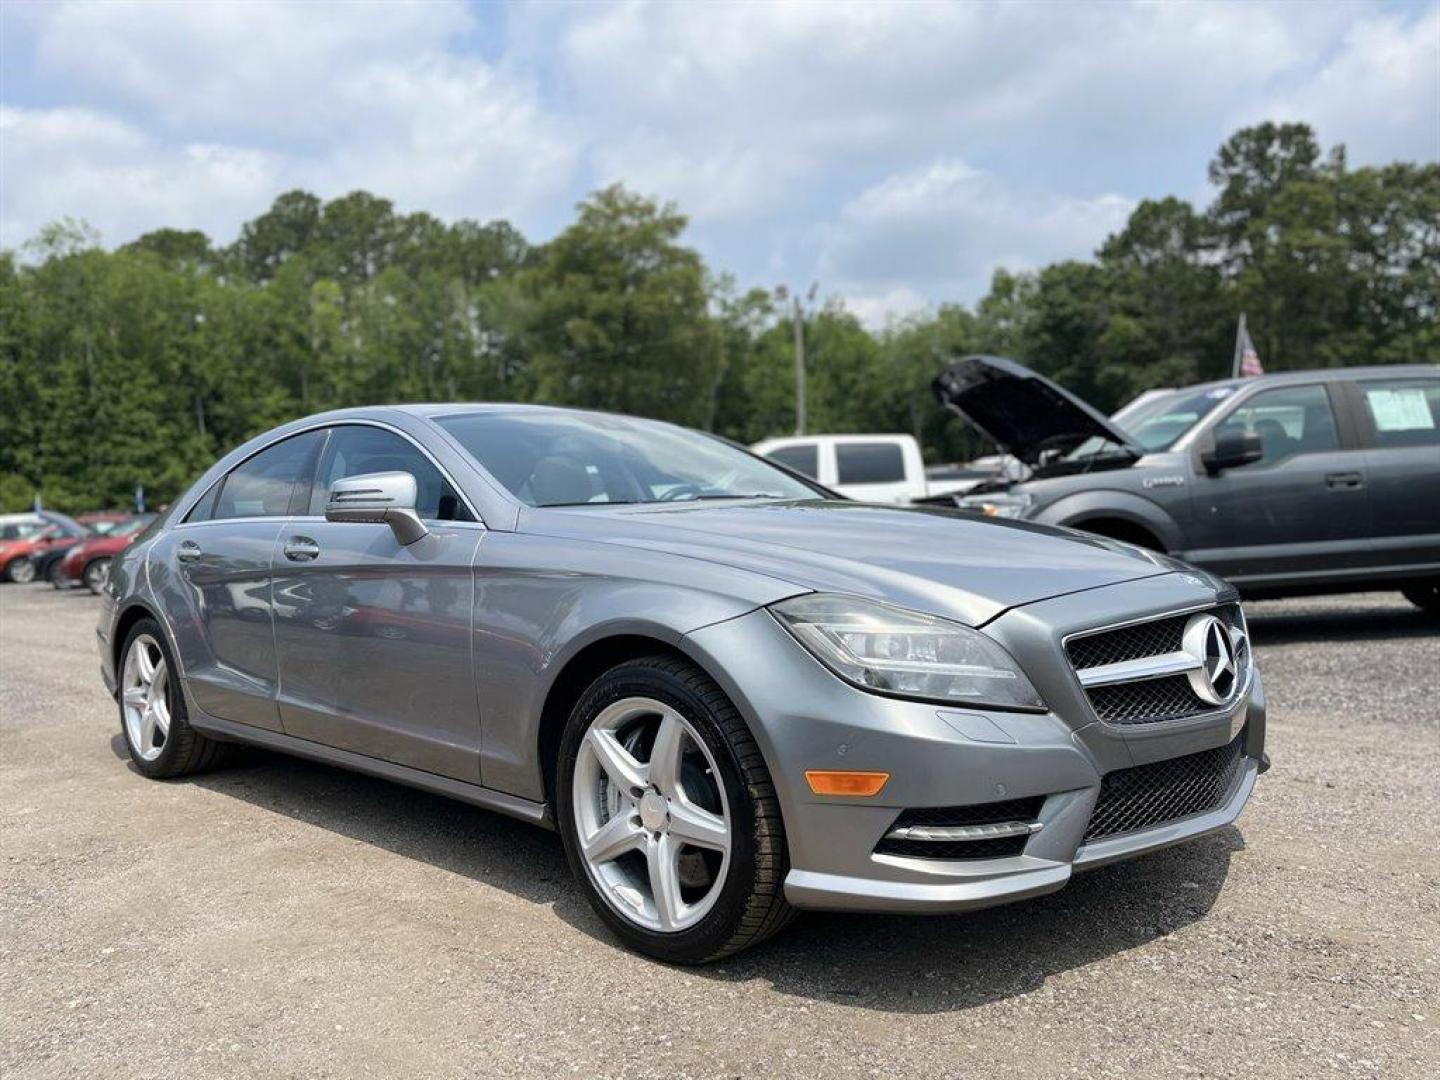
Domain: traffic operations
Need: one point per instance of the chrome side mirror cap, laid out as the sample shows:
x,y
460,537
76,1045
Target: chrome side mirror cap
x,y
376,498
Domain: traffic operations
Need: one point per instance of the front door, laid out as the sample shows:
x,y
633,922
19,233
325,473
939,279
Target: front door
x,y
373,637
1302,509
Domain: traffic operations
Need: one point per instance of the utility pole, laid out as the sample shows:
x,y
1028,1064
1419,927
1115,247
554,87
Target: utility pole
x,y
797,320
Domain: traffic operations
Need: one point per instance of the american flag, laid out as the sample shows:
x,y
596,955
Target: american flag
x,y
1247,360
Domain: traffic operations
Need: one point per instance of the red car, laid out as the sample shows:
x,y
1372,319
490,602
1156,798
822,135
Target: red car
x,y
17,555
89,560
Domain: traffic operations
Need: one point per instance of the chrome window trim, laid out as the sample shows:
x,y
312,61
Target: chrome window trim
x,y
327,426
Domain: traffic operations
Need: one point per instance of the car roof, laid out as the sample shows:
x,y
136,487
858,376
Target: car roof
x,y
1370,371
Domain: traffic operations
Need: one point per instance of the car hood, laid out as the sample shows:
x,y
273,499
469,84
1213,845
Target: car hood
x,y
1024,413
961,566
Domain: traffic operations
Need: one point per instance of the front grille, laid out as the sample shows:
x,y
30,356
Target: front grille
x,y
1153,638
978,814
1147,700
1145,796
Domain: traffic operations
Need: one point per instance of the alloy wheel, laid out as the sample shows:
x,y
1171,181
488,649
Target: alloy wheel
x,y
97,574
22,571
145,685
651,817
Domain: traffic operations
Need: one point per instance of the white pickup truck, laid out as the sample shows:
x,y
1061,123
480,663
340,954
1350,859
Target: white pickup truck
x,y
869,468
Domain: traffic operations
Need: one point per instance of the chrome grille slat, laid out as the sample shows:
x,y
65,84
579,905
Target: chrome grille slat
x,y
1137,674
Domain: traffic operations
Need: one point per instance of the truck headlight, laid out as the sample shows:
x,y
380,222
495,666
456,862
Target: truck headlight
x,y
895,651
1008,504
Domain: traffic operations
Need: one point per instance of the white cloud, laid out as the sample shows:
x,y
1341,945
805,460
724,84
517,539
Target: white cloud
x,y
804,139
943,229
81,163
1379,93
210,110
877,310
777,97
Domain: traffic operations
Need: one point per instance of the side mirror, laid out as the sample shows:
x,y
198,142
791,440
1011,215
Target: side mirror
x,y
1233,449
376,498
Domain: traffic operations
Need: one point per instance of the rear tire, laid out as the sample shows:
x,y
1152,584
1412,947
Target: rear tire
x,y
1425,595
153,718
727,895
96,575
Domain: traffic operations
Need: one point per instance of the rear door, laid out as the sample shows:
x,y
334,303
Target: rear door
x,y
1301,510
1399,422
211,573
374,638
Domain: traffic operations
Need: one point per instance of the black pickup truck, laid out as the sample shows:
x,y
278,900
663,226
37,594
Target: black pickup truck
x,y
1302,482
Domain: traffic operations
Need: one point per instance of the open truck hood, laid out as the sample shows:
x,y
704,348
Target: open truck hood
x,y
1024,413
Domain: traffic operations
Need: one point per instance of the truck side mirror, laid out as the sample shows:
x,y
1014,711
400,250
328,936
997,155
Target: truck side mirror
x,y
1233,449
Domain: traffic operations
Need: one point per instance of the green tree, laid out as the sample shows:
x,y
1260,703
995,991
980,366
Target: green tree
x,y
620,317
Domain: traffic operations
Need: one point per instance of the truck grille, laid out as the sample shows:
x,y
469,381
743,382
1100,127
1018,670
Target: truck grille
x,y
1145,796
1154,697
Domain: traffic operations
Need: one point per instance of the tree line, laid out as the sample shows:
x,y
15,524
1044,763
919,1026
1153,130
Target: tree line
x,y
139,366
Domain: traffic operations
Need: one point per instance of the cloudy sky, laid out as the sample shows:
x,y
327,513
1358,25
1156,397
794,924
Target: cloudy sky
x,y
897,154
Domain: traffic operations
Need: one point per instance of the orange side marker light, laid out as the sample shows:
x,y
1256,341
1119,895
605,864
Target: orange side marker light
x,y
845,782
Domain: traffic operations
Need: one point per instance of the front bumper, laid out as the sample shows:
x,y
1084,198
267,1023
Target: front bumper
x,y
805,718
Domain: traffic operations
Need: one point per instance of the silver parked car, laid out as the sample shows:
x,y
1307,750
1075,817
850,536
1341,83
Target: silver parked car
x,y
732,693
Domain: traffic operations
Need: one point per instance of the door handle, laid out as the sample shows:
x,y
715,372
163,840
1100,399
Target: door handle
x,y
188,551
1344,481
301,549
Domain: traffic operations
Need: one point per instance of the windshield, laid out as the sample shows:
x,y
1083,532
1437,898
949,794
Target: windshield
x,y
575,459
1157,424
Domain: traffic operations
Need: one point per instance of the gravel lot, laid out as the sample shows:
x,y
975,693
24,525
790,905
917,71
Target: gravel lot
x,y
287,919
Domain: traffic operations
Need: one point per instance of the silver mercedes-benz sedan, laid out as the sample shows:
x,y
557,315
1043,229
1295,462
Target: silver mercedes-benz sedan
x,y
734,694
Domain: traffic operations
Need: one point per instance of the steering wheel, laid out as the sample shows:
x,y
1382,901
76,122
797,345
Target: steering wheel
x,y
680,491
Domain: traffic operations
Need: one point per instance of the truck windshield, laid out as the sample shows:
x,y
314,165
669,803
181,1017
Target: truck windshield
x,y
1157,424
574,459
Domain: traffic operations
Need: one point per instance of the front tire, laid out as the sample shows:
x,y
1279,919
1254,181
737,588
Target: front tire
x,y
21,571
668,815
153,718
1425,595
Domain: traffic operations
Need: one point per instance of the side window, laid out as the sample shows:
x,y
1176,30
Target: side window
x,y
1405,412
355,450
802,457
1290,420
264,485
204,510
869,463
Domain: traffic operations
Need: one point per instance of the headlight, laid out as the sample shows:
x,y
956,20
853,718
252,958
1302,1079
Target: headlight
x,y
895,651
1000,504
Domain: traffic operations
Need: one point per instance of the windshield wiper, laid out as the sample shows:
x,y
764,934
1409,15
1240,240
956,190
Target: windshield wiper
x,y
752,495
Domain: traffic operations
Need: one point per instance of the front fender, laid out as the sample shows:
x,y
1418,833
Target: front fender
x,y
1075,510
540,602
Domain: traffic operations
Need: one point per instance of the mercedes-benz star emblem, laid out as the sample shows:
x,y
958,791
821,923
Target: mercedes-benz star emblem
x,y
1208,641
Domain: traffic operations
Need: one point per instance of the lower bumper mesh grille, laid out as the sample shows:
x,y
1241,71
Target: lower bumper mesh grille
x,y
1145,796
